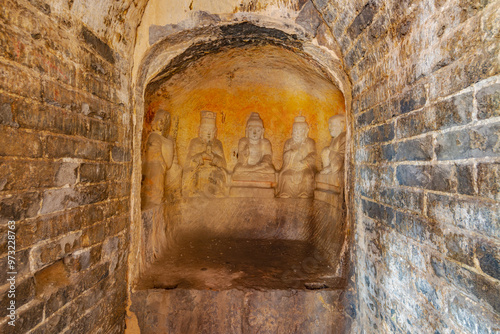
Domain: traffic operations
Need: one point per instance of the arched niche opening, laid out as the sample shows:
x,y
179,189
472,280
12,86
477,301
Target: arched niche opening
x,y
242,238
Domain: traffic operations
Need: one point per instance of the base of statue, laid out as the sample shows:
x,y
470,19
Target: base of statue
x,y
330,197
255,180
251,192
328,182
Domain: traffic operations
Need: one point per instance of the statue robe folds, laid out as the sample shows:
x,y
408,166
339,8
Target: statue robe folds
x,y
333,162
157,160
205,169
296,178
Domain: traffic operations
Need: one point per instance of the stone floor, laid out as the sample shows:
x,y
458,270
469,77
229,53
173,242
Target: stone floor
x,y
227,263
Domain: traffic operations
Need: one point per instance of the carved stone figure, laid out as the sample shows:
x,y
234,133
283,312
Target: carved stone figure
x,y
254,174
254,152
296,178
158,158
332,156
205,167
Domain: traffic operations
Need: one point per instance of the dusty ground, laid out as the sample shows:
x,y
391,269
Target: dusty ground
x,y
218,264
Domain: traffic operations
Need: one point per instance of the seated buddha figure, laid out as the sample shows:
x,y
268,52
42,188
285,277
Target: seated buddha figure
x,y
332,156
296,177
157,159
254,153
204,171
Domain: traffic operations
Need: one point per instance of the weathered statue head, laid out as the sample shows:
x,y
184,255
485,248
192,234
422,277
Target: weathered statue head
x,y
300,129
208,128
336,124
161,122
255,127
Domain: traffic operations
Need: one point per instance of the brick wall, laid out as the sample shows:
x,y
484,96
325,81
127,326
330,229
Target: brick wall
x,y
64,172
426,92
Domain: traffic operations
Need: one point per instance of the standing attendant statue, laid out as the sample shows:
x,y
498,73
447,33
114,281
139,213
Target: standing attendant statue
x,y
296,178
333,155
158,158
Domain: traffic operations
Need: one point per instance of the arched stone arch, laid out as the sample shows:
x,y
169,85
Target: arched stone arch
x,y
176,50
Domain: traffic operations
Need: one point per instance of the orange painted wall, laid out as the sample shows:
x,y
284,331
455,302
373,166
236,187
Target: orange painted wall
x,y
276,83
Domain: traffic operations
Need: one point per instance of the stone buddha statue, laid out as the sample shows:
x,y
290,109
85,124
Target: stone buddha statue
x,y
296,177
254,153
332,156
204,171
157,159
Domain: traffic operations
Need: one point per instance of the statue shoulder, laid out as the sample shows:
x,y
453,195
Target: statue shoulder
x,y
311,142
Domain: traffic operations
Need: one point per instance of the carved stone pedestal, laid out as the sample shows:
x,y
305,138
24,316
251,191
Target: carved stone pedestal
x,y
253,185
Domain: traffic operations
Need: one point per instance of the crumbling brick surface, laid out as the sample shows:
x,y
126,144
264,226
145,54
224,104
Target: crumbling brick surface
x,y
425,78
64,171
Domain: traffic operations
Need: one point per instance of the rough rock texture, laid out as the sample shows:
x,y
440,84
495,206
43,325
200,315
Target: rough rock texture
x,y
64,167
240,311
425,105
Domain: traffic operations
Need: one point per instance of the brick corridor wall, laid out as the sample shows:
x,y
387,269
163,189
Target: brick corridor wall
x,y
426,99
64,172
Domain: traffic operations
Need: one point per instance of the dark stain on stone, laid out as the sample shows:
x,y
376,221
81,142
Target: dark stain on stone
x,y
98,45
233,36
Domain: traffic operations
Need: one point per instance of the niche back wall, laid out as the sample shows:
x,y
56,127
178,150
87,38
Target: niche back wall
x,y
275,82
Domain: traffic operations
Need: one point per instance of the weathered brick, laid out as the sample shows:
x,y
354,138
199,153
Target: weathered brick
x,y
378,211
427,289
120,154
40,174
470,282
6,116
454,111
477,142
117,224
402,198
26,319
94,234
364,19
371,154
66,198
20,143
470,316
415,124
460,248
465,179
381,133
48,253
473,215
98,45
24,291
92,173
84,259
419,228
488,180
25,83
413,99
419,149
432,177
488,255
365,119
30,232
19,206
356,53
488,102
62,147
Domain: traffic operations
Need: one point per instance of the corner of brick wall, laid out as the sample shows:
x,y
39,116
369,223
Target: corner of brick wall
x,y
426,101
65,167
